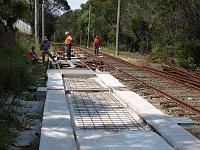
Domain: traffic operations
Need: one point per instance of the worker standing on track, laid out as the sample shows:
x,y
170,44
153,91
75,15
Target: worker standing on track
x,y
68,43
44,47
96,44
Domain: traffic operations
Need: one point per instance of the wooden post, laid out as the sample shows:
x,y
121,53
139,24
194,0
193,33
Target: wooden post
x,y
117,29
36,22
43,28
88,39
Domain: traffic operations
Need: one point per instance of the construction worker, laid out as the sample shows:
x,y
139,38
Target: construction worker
x,y
68,43
31,55
96,44
44,47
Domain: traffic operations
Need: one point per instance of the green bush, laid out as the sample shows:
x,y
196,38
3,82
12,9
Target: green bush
x,y
187,63
15,70
156,51
4,135
143,46
166,52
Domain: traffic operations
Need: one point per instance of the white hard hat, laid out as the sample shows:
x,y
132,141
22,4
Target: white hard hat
x,y
66,33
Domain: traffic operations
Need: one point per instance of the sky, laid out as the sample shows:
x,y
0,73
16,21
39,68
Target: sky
x,y
75,4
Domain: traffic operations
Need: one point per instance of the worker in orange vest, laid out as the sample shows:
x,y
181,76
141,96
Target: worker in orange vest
x,y
68,43
96,45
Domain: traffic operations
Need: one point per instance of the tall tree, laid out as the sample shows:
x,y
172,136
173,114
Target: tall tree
x,y
10,11
53,8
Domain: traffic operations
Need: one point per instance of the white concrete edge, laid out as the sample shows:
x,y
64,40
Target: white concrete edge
x,y
110,80
177,136
56,134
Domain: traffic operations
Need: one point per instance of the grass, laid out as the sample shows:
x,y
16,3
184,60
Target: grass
x,y
39,71
135,57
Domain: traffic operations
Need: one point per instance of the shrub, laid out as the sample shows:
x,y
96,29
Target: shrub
x,y
15,71
187,63
167,52
4,135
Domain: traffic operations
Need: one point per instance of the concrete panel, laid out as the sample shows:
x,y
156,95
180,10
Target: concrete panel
x,y
56,132
53,71
125,140
173,133
78,72
41,89
183,121
55,81
109,80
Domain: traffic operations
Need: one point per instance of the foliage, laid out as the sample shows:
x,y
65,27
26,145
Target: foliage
x,y
15,76
167,29
4,135
103,20
10,11
53,9
56,6
15,71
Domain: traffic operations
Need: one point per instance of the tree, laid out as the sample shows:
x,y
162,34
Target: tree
x,y
103,20
53,8
10,11
168,29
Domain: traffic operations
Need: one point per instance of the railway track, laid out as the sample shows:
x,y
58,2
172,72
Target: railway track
x,y
177,95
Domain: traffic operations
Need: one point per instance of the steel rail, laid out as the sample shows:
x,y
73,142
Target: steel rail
x,y
151,70
176,100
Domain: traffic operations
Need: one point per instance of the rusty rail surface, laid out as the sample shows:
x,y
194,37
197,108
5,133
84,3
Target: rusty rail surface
x,y
162,74
193,82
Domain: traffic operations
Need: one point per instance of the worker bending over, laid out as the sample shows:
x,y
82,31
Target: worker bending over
x,y
44,47
31,55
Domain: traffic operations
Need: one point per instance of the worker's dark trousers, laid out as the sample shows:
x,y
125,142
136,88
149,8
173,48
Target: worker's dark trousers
x,y
96,49
44,52
69,46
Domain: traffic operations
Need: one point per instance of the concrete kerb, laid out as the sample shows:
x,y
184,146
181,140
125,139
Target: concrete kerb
x,y
163,124
174,134
56,132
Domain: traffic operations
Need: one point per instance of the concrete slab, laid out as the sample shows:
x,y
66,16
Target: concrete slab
x,y
84,84
41,89
125,140
183,121
71,64
67,62
56,132
55,81
173,133
101,110
78,72
52,71
109,80
100,72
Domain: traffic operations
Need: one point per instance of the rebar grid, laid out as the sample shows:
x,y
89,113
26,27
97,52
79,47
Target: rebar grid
x,y
102,110
83,84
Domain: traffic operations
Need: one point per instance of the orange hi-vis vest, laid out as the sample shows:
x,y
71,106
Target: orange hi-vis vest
x,y
68,40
